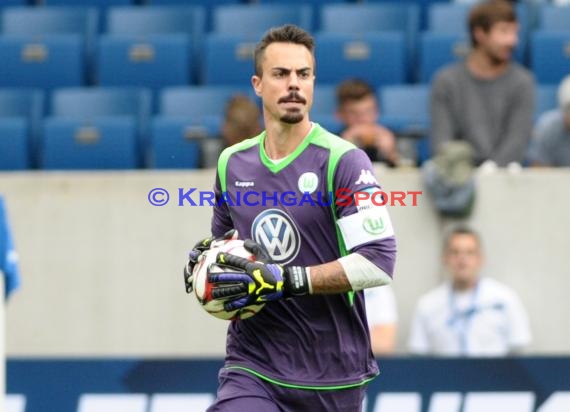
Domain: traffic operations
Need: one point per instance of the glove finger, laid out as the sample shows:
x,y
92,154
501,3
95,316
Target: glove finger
x,y
235,304
228,291
229,277
188,279
231,234
233,260
257,250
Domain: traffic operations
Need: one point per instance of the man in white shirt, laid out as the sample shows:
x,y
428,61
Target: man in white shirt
x,y
469,315
382,316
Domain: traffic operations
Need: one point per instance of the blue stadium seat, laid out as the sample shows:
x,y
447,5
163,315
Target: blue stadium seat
x,y
208,5
154,20
439,49
12,3
198,102
228,59
143,21
382,17
448,17
40,22
378,58
553,18
101,4
89,104
405,109
14,148
53,61
410,102
546,99
254,19
188,116
324,100
100,143
25,103
550,56
156,61
176,143
21,110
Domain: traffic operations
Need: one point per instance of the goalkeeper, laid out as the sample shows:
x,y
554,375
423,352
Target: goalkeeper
x,y
309,348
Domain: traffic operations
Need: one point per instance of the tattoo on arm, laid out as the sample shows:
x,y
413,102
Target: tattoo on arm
x,y
329,278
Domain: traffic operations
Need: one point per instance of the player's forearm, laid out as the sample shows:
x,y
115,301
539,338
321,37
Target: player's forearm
x,y
329,278
351,273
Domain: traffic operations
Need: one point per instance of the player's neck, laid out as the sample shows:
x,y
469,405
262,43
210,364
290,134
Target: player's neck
x,y
282,139
482,66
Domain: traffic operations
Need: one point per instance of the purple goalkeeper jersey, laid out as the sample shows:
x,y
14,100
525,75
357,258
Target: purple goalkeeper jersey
x,y
316,340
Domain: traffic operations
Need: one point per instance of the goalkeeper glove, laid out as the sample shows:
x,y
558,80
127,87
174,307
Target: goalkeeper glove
x,y
256,282
197,250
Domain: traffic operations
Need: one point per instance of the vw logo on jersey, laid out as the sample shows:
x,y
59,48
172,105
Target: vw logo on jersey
x,y
275,230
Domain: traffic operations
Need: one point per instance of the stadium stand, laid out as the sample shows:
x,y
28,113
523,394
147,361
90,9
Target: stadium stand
x,y
405,109
97,128
550,55
179,131
254,19
382,17
20,114
378,58
223,51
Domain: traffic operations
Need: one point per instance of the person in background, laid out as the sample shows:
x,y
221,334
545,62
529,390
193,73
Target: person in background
x,y
550,145
242,120
488,99
468,315
359,111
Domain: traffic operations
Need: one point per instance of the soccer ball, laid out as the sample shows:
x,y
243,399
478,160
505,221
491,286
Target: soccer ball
x,y
202,288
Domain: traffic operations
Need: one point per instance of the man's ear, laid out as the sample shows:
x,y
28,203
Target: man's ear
x,y
256,83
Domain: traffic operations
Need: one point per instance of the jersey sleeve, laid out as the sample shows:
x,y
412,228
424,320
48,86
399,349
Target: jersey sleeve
x,y
221,219
364,223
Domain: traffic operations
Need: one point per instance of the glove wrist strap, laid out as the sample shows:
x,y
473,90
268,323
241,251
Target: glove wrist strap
x,y
296,281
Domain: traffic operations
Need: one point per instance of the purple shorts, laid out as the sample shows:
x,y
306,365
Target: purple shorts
x,y
240,391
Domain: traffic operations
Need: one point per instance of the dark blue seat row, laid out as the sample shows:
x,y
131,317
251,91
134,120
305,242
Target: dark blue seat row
x,y
156,47
115,128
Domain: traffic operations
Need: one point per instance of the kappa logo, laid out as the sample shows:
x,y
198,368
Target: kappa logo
x,y
244,184
275,230
366,177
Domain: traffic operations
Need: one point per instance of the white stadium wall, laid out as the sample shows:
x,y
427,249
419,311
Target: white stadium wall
x,y
102,268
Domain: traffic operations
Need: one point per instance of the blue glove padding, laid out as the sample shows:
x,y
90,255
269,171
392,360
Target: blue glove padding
x,y
249,283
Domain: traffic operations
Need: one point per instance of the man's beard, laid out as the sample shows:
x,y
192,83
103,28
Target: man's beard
x,y
292,117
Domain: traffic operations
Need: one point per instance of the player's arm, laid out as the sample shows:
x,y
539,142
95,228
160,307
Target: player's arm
x,y
371,258
370,263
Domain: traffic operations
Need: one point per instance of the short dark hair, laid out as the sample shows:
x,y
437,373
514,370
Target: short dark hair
x,y
288,33
460,230
353,90
484,15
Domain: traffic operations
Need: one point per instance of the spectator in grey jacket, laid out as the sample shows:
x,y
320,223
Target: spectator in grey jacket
x,y
486,100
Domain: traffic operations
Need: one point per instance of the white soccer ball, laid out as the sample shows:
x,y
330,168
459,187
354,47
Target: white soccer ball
x,y
202,289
